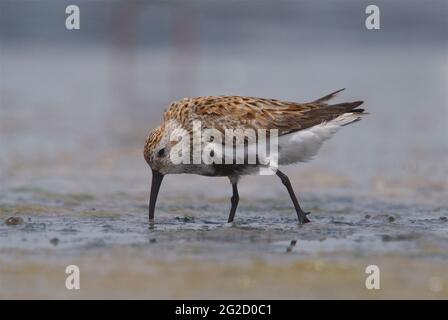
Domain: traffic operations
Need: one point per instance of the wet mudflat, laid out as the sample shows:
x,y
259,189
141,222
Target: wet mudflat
x,y
191,250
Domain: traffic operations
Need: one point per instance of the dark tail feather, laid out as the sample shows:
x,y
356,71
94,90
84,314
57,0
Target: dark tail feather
x,y
328,96
348,107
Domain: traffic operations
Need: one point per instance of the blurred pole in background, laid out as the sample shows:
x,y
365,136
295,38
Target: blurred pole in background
x,y
184,37
121,68
182,51
122,36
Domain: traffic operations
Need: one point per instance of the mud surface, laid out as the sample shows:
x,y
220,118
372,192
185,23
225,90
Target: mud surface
x,y
191,249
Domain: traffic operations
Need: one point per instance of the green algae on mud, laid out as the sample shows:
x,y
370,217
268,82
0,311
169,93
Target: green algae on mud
x,y
38,201
29,209
43,194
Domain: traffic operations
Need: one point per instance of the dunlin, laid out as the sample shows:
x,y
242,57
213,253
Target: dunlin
x,y
301,129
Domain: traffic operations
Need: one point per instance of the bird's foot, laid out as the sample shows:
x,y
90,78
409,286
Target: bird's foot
x,y
303,217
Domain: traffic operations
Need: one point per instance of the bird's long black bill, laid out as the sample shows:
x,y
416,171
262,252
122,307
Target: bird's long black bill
x,y
157,178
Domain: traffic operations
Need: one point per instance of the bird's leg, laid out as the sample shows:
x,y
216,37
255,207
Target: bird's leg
x,y
300,213
234,201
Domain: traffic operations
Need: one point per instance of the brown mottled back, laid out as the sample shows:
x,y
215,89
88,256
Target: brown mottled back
x,y
238,112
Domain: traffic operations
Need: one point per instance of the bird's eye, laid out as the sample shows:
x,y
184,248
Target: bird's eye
x,y
161,152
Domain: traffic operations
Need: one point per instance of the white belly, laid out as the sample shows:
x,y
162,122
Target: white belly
x,y
302,146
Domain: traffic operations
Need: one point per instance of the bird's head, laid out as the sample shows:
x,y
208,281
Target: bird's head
x,y
156,152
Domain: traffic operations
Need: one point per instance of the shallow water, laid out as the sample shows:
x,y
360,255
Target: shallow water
x,y
360,225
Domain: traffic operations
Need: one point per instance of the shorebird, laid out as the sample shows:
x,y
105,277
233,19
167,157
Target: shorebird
x,y
301,129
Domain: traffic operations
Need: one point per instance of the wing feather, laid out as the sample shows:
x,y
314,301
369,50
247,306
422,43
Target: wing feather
x,y
239,112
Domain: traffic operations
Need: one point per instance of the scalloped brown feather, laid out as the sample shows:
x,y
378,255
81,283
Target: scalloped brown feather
x,y
239,112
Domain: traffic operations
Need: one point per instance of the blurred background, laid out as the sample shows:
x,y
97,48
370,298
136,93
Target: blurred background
x,y
76,106
83,101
